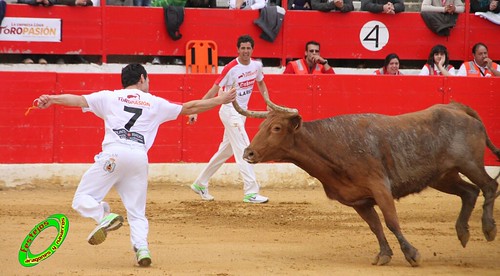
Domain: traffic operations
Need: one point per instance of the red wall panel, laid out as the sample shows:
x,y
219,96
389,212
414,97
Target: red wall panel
x,y
81,30
114,30
66,135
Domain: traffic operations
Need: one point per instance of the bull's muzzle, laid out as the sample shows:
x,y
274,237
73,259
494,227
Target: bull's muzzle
x,y
249,156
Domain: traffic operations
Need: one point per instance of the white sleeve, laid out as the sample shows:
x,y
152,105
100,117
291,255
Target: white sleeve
x,y
462,71
428,7
97,103
167,111
424,71
258,4
452,71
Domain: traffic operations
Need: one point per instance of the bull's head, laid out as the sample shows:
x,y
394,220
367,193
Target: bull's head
x,y
275,135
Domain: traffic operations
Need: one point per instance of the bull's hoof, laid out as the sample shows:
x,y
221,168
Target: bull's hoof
x,y
381,259
489,229
464,238
414,259
463,235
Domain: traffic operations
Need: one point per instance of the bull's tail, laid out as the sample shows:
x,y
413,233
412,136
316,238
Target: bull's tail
x,y
471,112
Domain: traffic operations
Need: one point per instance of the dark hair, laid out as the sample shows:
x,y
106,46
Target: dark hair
x,y
312,42
245,39
477,45
389,57
131,74
438,49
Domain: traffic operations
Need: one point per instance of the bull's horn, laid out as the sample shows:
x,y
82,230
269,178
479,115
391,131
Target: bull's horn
x,y
247,113
277,107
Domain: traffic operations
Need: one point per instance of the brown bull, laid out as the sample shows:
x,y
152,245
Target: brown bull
x,y
365,160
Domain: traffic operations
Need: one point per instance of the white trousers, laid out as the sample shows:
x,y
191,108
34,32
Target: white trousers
x,y
234,142
125,168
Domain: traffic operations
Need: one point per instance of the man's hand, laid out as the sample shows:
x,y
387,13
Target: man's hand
x,y
227,96
450,8
192,119
338,3
489,63
44,101
389,8
318,59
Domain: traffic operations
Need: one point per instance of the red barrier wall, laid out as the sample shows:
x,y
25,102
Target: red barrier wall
x,y
66,135
112,30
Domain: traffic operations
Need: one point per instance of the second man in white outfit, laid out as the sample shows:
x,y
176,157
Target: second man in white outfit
x,y
242,73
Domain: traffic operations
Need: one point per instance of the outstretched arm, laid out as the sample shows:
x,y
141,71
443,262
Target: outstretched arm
x,y
44,101
198,106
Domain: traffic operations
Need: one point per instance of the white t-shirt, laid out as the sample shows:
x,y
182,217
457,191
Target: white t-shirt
x,y
130,115
425,70
242,75
249,4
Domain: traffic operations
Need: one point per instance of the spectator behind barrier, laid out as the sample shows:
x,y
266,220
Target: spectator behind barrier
x,y
391,66
142,3
247,4
312,63
440,16
166,3
119,2
83,3
332,5
383,6
299,4
484,6
438,63
481,66
201,4
45,3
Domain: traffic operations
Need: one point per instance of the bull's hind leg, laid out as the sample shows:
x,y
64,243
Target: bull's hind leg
x,y
453,184
488,186
368,213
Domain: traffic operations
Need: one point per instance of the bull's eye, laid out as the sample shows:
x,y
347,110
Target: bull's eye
x,y
276,128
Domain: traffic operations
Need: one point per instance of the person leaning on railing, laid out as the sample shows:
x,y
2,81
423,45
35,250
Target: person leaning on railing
x,y
484,6
84,3
332,5
383,6
440,16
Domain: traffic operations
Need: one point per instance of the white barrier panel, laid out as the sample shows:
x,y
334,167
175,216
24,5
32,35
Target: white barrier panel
x,y
68,175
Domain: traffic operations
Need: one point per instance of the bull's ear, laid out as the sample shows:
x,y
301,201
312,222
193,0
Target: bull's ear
x,y
296,122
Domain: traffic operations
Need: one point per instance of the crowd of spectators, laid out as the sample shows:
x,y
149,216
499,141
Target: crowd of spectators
x,y
439,15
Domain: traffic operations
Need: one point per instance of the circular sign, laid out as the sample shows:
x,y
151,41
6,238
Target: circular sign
x,y
61,223
374,35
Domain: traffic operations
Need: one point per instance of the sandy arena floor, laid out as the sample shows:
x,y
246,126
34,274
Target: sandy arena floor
x,y
300,232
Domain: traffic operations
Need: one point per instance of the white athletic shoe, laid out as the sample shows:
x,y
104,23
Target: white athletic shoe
x,y
110,222
202,191
255,198
143,256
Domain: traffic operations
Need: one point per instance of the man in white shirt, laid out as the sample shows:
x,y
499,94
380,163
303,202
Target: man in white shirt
x,y
242,73
131,120
481,66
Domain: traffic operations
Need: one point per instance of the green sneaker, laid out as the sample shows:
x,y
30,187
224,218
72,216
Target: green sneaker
x,y
255,198
143,256
202,191
110,222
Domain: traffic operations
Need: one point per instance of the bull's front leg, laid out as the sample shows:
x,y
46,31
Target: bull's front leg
x,y
368,213
386,204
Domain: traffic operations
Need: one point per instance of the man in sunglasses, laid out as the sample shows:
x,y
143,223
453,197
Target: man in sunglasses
x,y
312,63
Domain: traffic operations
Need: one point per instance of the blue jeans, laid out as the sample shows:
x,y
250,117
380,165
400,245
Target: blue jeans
x,y
144,3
